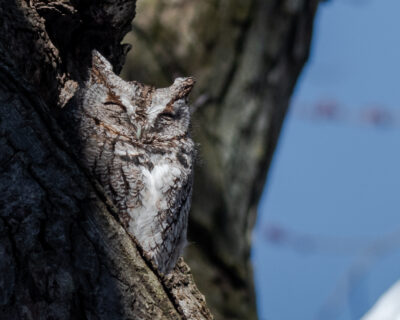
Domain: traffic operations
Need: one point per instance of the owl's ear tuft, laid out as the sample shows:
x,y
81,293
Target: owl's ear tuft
x,y
101,68
182,87
100,62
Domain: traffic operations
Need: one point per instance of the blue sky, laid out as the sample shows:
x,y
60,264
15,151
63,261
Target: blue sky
x,y
336,182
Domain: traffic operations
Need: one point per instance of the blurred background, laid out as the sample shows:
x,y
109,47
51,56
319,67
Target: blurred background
x,y
327,239
315,215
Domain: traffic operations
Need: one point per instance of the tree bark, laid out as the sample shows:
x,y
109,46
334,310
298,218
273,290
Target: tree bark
x,y
246,57
63,254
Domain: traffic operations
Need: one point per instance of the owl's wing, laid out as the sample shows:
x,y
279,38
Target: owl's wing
x,y
174,229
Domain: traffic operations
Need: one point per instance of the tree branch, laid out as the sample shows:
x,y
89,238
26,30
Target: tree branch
x,y
246,56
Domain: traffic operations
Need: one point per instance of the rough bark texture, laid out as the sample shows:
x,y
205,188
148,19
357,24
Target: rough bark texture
x,y
246,57
63,255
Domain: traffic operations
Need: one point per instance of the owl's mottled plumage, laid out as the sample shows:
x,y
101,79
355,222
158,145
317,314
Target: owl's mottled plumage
x,y
135,140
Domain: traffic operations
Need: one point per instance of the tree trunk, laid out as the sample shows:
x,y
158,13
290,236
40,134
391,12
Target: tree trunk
x,y
246,57
63,254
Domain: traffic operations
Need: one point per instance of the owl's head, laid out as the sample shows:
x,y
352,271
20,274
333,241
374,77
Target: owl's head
x,y
168,115
140,112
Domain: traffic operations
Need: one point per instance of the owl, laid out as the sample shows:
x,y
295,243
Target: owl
x,y
135,140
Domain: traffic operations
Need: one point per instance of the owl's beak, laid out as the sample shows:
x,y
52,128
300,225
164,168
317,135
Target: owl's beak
x,y
139,131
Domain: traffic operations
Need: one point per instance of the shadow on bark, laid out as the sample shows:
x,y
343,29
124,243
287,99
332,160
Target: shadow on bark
x,y
62,253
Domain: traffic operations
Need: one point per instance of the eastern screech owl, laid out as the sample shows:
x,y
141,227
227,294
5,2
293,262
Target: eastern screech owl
x,y
135,140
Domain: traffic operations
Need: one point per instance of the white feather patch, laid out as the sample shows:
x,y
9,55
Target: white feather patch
x,y
153,200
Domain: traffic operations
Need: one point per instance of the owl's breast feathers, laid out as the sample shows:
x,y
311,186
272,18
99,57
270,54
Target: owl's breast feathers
x,y
160,222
